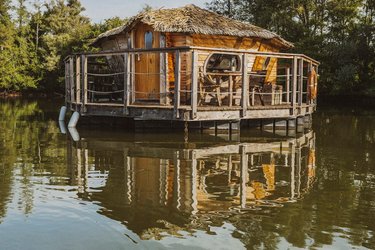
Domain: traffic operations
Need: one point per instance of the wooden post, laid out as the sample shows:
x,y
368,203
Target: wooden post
x,y
78,80
71,79
253,97
194,85
300,98
288,85
66,81
194,181
126,82
308,98
294,94
244,161
298,165
292,149
132,82
84,82
245,85
230,88
163,72
176,186
177,84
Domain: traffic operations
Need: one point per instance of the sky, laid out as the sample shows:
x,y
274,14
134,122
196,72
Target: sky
x,y
98,10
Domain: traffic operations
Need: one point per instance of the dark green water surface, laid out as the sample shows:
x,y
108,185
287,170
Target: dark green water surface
x,y
116,189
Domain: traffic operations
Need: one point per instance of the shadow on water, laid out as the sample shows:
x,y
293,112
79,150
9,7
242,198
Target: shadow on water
x,y
259,190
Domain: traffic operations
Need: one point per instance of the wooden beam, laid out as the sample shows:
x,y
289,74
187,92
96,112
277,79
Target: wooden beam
x,y
132,81
295,73
194,85
287,73
78,79
300,94
308,98
67,82
126,82
163,72
292,149
177,84
244,175
71,79
84,82
245,85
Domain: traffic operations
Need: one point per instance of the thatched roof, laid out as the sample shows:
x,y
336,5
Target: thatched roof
x,y
194,20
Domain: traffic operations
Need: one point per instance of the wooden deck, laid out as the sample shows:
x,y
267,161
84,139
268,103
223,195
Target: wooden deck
x,y
193,94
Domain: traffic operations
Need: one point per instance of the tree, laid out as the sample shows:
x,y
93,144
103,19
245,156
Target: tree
x,y
339,33
65,30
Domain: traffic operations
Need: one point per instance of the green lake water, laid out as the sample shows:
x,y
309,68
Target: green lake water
x,y
116,189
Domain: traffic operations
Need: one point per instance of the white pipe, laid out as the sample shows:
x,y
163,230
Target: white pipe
x,y
62,113
62,127
74,133
73,120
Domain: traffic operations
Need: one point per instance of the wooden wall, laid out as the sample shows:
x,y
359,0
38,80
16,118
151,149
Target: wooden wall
x,y
180,40
255,63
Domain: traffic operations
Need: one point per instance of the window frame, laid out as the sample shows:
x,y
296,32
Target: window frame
x,y
239,57
152,39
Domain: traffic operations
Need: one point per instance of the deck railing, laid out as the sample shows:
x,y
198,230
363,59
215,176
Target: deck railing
x,y
122,78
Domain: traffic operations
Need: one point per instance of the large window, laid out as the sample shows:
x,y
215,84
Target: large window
x,y
223,63
148,40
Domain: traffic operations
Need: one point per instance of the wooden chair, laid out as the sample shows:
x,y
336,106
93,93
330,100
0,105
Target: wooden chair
x,y
209,87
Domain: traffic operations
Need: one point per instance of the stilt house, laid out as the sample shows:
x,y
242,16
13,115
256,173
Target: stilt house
x,y
191,64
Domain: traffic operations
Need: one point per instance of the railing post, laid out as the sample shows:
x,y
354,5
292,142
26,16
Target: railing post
x,y
294,94
66,81
287,85
126,82
78,80
177,84
194,85
71,80
300,99
133,77
308,88
245,85
84,82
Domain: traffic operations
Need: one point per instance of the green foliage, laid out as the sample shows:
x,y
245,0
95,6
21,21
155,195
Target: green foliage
x,y
17,60
339,33
34,42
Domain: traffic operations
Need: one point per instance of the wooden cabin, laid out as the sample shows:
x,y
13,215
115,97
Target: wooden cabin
x,y
191,64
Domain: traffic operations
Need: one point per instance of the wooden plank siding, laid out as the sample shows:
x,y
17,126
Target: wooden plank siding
x,y
152,77
147,66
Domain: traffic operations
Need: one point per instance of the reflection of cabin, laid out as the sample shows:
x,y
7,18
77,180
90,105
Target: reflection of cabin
x,y
185,64
160,181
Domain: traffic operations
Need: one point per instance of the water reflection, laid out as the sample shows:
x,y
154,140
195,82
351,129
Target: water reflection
x,y
116,190
158,189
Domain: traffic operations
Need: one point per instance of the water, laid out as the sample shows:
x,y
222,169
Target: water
x,y
148,190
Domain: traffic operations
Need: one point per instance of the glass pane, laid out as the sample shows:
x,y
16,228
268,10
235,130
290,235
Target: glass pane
x,y
223,62
148,40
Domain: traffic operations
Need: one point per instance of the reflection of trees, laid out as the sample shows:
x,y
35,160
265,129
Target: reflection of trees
x,y
14,135
28,145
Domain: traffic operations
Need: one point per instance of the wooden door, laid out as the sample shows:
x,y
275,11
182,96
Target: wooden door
x,y
147,65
